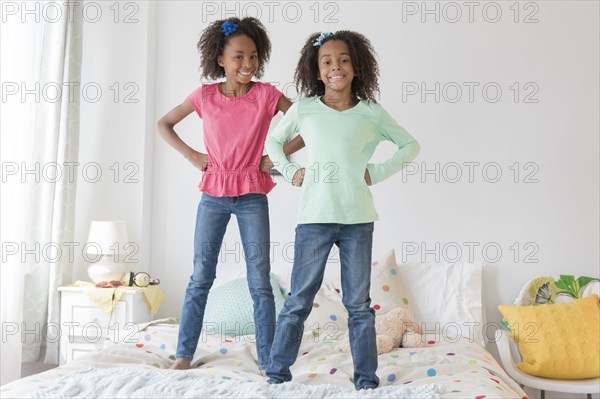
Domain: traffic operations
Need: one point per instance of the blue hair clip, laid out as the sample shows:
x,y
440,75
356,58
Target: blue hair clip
x,y
228,28
319,42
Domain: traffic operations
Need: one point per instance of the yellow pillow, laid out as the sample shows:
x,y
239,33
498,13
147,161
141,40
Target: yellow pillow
x,y
560,341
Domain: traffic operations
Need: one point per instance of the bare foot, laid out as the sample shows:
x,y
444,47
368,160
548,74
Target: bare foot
x,y
181,364
262,373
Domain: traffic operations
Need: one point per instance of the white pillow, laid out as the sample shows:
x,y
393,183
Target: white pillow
x,y
447,298
444,298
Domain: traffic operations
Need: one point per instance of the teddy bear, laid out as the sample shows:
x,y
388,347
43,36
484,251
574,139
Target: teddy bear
x,y
394,329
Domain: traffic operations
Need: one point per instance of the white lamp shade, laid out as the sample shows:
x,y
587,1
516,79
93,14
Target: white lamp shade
x,y
107,239
104,235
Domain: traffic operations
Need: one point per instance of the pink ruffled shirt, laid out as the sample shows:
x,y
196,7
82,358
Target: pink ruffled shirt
x,y
234,136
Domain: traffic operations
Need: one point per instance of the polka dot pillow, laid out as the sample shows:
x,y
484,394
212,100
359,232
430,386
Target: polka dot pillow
x,y
328,314
387,290
328,311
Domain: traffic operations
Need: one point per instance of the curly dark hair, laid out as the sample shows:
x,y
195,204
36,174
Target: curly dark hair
x,y
364,62
213,41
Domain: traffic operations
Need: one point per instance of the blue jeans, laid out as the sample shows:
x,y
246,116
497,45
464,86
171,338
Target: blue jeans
x,y
312,246
252,212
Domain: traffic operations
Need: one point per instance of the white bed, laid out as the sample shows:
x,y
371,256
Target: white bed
x,y
449,365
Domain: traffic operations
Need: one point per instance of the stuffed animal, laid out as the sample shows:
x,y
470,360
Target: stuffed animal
x,y
394,329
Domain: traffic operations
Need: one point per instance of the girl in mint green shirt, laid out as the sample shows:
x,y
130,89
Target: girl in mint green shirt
x,y
341,125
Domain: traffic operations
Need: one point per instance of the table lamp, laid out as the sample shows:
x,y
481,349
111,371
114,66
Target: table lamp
x,y
107,239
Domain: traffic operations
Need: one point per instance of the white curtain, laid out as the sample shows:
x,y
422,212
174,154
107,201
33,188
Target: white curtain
x,y
40,138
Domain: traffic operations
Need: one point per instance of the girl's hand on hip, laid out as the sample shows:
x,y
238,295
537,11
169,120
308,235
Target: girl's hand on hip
x,y
368,177
266,164
298,178
199,160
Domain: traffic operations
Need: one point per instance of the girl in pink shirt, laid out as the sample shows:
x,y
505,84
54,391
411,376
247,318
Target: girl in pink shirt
x,y
236,114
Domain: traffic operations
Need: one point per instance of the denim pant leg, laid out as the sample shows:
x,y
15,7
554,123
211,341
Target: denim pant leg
x,y
355,242
312,245
211,222
252,212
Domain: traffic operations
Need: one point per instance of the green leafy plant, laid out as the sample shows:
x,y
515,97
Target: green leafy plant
x,y
568,285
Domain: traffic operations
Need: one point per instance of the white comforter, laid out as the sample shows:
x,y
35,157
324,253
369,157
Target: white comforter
x,y
459,370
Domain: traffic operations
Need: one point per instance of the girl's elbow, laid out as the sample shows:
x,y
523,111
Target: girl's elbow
x,y
162,126
416,148
159,128
268,150
269,143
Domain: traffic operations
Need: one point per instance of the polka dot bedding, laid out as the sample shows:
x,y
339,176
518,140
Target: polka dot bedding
x,y
461,368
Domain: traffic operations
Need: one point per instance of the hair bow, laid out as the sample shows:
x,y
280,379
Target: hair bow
x,y
228,28
319,42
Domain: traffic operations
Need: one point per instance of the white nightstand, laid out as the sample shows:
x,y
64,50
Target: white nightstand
x,y
84,326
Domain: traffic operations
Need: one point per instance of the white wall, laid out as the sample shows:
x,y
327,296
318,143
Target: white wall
x,y
553,220
117,127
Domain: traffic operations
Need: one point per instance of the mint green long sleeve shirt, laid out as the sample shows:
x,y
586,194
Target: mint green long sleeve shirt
x,y
339,145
